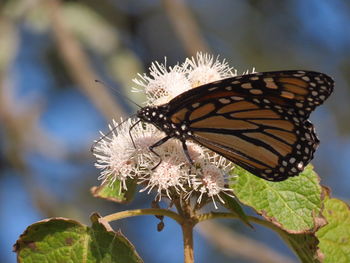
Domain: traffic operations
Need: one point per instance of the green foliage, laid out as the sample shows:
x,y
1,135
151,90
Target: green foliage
x,y
335,236
114,192
293,205
65,240
297,209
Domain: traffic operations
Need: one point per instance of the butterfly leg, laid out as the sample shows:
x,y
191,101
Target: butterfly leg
x,y
132,126
184,146
156,145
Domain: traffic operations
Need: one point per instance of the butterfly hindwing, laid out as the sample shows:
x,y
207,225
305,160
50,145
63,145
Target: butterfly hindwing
x,y
271,144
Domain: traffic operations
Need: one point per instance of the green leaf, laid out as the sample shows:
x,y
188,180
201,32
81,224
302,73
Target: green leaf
x,y
234,206
335,236
65,240
293,205
114,193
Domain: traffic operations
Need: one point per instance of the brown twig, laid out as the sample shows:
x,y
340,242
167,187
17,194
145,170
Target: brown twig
x,y
79,64
145,211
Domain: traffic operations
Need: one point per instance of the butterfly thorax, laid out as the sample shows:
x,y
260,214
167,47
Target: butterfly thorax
x,y
159,117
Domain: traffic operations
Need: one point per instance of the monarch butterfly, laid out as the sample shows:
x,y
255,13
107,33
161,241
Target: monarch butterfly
x,y
258,121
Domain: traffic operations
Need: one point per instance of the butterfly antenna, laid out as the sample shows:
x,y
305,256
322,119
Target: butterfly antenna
x,y
117,91
93,146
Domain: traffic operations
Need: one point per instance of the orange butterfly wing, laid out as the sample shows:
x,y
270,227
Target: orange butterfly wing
x,y
258,121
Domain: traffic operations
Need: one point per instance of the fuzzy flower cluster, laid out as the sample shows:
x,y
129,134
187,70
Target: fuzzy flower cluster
x,y
121,156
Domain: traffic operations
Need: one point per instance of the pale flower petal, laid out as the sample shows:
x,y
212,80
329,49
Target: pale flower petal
x,y
163,84
205,69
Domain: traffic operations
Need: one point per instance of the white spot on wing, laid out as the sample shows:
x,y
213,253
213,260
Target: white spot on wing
x,y
300,165
256,91
224,101
195,105
212,88
246,86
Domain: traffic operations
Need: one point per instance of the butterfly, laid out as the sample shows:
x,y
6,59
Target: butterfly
x,y
258,121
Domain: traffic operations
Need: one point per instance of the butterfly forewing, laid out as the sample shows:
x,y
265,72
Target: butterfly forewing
x,y
258,121
299,91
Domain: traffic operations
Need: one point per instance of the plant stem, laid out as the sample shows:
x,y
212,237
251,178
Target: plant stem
x,y
147,211
189,221
254,219
282,233
213,215
184,218
187,233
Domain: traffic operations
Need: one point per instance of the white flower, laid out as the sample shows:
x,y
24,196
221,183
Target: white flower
x,y
247,71
172,173
115,155
118,157
212,179
163,84
167,170
204,69
166,177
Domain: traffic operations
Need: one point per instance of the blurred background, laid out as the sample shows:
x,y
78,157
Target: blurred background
x,y
51,109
